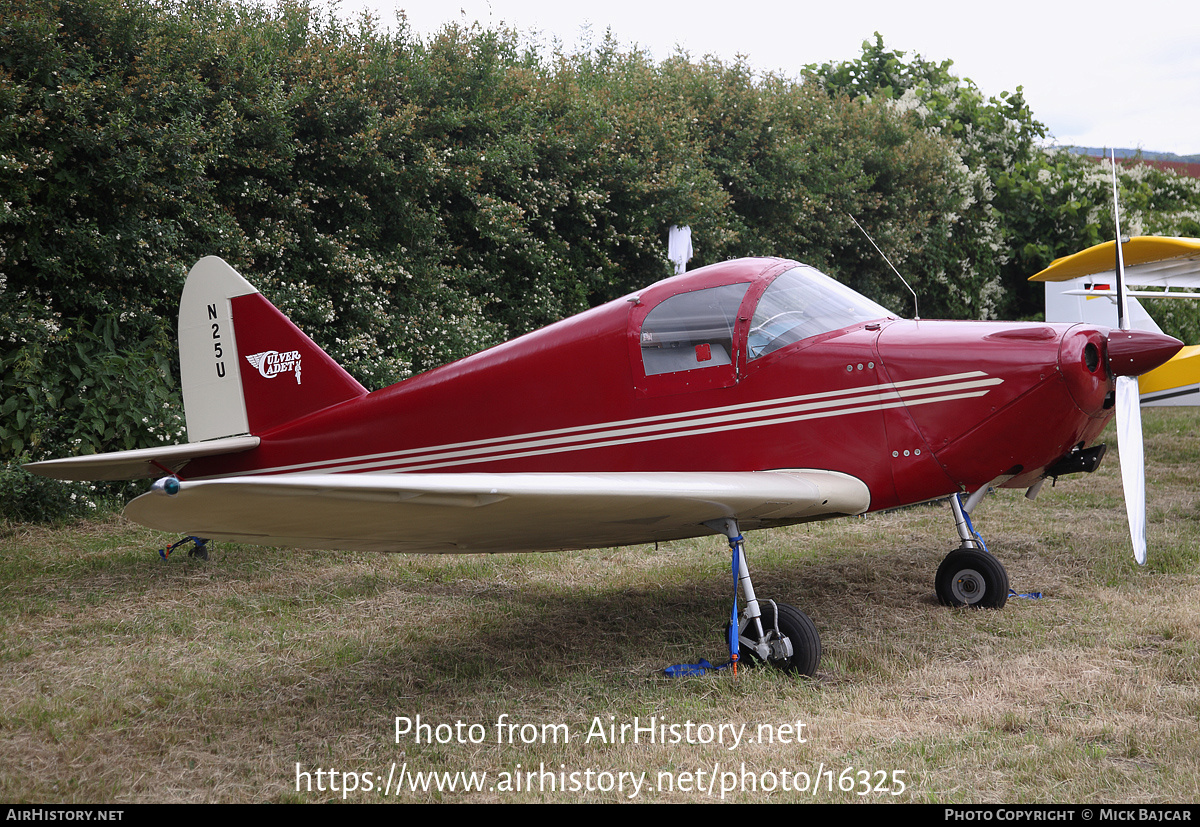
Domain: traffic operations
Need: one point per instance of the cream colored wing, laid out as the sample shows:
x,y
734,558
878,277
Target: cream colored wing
x,y
492,512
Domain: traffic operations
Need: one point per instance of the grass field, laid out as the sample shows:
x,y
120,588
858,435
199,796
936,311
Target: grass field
x,y
127,679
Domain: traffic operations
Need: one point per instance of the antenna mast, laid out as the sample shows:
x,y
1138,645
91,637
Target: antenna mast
x,y
916,313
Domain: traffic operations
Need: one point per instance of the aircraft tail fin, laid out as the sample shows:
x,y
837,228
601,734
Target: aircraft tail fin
x,y
245,367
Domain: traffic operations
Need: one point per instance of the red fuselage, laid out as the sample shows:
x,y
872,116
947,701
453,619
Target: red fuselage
x,y
915,409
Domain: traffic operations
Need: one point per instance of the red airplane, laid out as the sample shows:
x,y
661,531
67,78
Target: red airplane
x,y
744,395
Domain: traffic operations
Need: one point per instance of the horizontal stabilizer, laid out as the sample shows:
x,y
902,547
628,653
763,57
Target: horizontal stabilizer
x,y
139,463
491,512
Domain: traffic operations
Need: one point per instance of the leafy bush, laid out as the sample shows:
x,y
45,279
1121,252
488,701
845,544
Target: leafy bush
x,y
75,389
26,498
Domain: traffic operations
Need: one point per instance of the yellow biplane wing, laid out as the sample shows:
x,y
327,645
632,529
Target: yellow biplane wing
x,y
1150,261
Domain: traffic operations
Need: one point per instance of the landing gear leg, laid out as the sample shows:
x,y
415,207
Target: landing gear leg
x,y
962,519
970,575
769,632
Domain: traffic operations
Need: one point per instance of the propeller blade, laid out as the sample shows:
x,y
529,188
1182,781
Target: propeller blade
x,y
1133,479
1129,402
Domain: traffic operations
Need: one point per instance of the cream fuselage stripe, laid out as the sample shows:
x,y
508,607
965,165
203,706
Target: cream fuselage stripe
x,y
778,411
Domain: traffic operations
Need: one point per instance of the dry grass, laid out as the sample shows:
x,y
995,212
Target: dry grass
x,y
124,679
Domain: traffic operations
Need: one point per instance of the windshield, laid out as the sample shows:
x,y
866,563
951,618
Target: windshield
x,y
804,302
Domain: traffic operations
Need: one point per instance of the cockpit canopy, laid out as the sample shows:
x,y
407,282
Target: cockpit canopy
x,y
698,329
804,302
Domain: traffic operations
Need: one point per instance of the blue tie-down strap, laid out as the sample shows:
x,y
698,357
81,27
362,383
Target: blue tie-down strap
x,y
686,670
1027,595
735,543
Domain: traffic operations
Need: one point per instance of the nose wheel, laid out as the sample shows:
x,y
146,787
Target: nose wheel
x,y
971,577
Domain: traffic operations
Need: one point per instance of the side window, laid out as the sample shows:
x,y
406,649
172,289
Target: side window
x,y
692,330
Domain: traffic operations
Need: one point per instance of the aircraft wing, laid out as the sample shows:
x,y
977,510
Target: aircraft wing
x,y
1149,261
492,512
138,463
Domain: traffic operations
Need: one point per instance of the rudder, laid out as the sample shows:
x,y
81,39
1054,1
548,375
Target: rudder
x,y
244,366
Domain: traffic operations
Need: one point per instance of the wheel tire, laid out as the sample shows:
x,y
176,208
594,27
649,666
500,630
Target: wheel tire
x,y
797,627
971,577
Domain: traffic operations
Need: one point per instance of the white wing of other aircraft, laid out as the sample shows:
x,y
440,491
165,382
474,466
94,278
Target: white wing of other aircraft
x,y
1082,288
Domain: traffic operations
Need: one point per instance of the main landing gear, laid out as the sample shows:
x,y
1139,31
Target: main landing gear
x,y
970,575
767,632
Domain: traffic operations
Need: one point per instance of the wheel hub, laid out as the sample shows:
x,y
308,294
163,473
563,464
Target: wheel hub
x,y
969,586
971,577
781,649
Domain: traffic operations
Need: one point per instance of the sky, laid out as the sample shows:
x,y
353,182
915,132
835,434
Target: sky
x,y
1098,74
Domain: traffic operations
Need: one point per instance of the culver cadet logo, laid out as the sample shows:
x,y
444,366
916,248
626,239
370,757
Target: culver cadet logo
x,y
271,363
